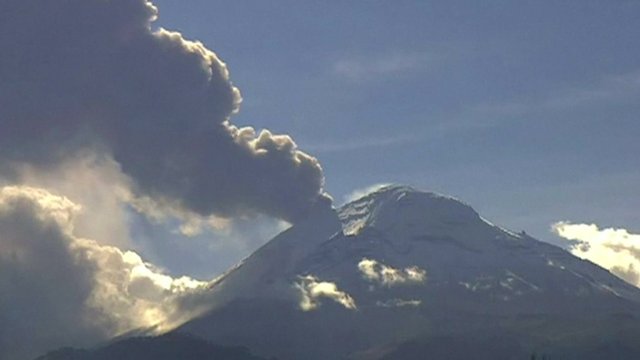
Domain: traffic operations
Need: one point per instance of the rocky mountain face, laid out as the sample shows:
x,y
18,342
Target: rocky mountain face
x,y
404,274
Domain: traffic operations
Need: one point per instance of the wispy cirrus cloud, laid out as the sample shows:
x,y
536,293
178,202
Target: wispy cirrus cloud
x,y
361,143
623,88
366,67
608,88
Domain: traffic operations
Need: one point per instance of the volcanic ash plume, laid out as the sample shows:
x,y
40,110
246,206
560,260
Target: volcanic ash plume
x,y
92,76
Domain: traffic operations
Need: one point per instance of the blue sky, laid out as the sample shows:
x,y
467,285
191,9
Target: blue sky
x,y
526,110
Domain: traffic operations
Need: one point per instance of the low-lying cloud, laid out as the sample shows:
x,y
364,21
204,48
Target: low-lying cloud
x,y
374,271
58,289
312,290
617,250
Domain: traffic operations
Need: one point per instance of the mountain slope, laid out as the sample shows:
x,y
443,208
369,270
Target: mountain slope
x,y
401,265
165,347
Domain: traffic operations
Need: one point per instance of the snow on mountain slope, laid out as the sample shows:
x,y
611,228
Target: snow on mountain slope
x,y
395,265
456,246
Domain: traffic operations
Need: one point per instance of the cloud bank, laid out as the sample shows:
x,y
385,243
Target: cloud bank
x,y
617,250
58,289
93,76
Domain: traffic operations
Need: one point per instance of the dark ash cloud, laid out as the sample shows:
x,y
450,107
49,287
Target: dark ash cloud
x,y
92,76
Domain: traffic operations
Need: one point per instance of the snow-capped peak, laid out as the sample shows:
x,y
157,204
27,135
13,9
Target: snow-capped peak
x,y
398,206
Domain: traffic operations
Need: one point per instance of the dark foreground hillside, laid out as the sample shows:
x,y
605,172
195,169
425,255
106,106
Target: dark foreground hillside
x,y
165,347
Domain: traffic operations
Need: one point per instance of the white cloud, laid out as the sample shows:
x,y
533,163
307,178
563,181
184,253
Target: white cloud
x,y
134,292
617,250
312,289
95,182
62,289
374,271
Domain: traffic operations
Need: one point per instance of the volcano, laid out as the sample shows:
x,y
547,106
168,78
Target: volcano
x,y
405,274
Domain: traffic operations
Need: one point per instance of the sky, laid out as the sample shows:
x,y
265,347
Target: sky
x,y
146,148
527,111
